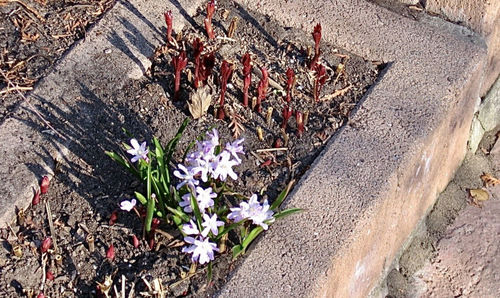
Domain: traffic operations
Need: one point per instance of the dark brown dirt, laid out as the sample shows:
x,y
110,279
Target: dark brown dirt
x,y
88,186
35,34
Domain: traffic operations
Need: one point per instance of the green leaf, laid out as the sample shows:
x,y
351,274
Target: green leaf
x,y
227,229
180,214
277,203
209,271
141,198
119,159
237,250
151,203
251,236
197,213
287,212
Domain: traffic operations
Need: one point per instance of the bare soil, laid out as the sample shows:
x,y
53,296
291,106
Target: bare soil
x,y
34,35
88,186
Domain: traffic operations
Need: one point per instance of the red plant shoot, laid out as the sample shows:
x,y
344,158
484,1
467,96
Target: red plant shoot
x,y
207,65
46,244
44,185
208,19
247,77
197,49
36,198
262,88
290,79
179,62
50,275
321,78
226,70
168,21
110,253
287,113
135,241
300,123
317,38
113,218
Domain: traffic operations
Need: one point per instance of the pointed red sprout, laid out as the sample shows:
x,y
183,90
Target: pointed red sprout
x,y
113,218
321,78
278,143
287,113
168,21
208,19
44,185
290,75
179,63
155,224
300,123
41,295
50,275
110,253
317,38
36,198
151,243
247,77
226,70
207,65
197,49
135,241
262,88
46,244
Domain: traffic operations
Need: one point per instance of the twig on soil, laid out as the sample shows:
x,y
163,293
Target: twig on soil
x,y
28,8
9,82
256,156
44,271
226,38
20,88
51,225
271,149
336,93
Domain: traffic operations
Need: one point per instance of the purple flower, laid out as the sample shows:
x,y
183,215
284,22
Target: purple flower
x,y
128,205
187,176
201,248
139,151
211,224
234,148
223,167
190,228
253,210
186,203
205,197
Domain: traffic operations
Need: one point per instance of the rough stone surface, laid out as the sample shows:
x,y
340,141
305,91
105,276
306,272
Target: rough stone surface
x,y
118,46
482,16
487,116
468,256
382,172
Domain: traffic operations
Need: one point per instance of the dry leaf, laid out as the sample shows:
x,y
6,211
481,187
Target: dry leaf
x,y
235,123
489,180
478,196
200,102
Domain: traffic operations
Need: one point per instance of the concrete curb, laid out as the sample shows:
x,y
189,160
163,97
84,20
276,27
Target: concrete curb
x,y
383,171
366,192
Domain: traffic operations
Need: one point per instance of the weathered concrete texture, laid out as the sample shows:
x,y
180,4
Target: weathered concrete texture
x,y
381,173
117,47
482,16
487,116
468,258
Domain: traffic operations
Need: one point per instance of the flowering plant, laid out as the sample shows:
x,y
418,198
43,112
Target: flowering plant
x,y
200,203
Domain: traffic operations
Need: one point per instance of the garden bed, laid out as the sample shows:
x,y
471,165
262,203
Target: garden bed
x,y
87,189
34,35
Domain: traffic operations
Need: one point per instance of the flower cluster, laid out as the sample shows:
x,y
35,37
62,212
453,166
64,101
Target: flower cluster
x,y
198,206
204,165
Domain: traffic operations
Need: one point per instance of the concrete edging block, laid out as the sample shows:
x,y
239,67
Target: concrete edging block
x,y
382,172
366,192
